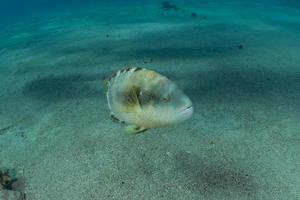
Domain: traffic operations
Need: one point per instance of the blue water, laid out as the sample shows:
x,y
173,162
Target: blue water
x,y
238,61
20,8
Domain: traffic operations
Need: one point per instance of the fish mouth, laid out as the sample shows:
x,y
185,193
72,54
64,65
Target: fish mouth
x,y
187,109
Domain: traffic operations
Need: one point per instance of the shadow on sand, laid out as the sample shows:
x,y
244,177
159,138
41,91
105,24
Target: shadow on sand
x,y
205,177
55,88
237,84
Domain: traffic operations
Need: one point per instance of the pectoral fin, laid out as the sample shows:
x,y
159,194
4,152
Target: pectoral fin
x,y
135,129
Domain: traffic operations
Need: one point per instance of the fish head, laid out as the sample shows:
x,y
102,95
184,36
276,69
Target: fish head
x,y
165,103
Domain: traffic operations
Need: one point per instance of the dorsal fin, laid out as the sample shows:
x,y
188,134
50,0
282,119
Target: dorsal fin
x,y
107,80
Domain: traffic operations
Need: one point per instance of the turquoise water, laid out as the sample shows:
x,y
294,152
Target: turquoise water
x,y
238,61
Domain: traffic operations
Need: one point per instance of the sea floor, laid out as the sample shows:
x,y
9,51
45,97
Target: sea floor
x,y
240,67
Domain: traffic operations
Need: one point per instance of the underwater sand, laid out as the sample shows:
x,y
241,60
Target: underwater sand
x,y
243,141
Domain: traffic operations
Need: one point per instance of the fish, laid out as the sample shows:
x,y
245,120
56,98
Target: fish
x,y
145,99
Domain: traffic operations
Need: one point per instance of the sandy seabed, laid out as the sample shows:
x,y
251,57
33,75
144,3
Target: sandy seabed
x,y
240,67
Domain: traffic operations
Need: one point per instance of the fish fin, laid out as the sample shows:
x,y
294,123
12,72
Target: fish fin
x,y
106,80
105,83
115,119
105,90
134,129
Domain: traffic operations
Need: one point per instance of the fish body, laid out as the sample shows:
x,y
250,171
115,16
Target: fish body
x,y
146,99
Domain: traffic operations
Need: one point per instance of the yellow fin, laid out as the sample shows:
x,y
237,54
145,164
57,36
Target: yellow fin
x,y
134,129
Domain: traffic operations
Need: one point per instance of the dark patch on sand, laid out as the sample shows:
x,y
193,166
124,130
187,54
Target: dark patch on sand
x,y
166,5
194,15
168,53
205,176
54,88
5,129
240,83
294,3
187,42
